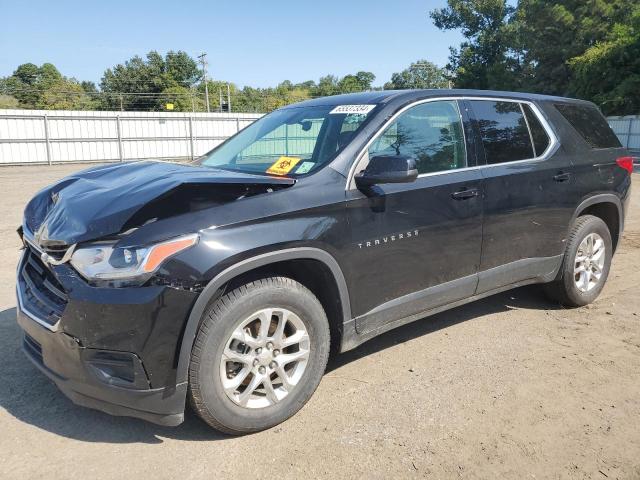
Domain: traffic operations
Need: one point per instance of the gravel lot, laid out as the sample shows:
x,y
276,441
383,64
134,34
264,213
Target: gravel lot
x,y
511,386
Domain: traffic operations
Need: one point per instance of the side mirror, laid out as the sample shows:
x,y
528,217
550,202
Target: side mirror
x,y
388,169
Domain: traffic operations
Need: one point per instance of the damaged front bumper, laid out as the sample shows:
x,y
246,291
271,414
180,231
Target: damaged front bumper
x,y
111,349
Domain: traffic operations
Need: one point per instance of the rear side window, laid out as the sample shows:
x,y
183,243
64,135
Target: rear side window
x,y
538,133
504,131
590,124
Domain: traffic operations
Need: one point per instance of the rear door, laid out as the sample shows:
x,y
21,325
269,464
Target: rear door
x,y
416,245
528,197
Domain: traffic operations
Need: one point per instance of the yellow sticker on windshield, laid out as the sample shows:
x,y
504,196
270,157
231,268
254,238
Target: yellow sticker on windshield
x,y
283,165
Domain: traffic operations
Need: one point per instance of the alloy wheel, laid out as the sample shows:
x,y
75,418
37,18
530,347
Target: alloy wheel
x,y
589,262
264,358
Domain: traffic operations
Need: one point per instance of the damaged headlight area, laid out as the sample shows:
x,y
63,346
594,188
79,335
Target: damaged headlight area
x,y
103,261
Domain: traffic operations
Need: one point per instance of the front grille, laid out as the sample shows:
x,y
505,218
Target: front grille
x,y
41,293
54,251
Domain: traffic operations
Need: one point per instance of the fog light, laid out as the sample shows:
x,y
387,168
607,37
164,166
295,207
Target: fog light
x,y
120,369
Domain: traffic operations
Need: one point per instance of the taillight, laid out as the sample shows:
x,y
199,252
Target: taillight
x,y
626,163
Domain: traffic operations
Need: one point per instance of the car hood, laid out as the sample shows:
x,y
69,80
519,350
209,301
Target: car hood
x,y
99,201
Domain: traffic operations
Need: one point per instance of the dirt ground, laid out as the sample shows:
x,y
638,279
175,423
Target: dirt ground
x,y
508,387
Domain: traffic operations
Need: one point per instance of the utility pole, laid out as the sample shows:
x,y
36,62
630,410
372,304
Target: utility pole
x,y
228,99
203,61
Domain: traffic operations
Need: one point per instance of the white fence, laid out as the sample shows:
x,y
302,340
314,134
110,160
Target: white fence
x,y
52,136
627,129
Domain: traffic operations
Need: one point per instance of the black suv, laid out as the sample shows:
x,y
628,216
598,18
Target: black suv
x,y
321,225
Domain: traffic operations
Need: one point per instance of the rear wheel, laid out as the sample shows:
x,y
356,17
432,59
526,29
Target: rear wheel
x,y
259,355
586,263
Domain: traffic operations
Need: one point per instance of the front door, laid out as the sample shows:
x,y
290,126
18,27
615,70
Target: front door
x,y
416,246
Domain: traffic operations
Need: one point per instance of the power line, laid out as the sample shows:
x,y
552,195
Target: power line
x,y
193,93
71,92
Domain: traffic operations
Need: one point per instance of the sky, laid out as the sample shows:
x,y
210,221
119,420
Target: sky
x,y
248,42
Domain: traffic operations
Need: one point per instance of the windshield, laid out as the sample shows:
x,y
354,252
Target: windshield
x,y
291,142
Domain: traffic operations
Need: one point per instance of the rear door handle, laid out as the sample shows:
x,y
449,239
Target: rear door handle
x,y
562,177
465,194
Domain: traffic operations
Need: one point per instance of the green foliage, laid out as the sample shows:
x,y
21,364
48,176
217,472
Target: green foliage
x,y
481,60
586,48
27,83
45,87
359,82
183,99
149,77
420,74
609,71
7,101
150,83
551,34
89,87
64,94
249,99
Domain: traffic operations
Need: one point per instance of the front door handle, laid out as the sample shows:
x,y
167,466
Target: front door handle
x,y
465,194
562,177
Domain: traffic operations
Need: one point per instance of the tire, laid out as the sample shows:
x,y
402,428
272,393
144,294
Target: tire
x,y
565,289
222,408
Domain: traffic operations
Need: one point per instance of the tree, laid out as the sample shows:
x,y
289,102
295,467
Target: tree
x,y
585,48
4,87
7,101
482,61
420,74
22,84
89,87
551,34
64,94
45,87
609,72
359,82
366,79
149,78
183,99
327,85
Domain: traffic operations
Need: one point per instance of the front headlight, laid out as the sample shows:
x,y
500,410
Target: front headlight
x,y
102,261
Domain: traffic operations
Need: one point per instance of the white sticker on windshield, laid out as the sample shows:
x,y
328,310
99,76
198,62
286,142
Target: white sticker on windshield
x,y
304,168
361,109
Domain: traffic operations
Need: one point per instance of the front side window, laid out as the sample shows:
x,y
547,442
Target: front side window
x,y
292,142
430,132
504,131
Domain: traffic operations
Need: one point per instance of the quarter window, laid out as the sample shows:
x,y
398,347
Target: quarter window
x,y
590,124
539,135
504,131
430,132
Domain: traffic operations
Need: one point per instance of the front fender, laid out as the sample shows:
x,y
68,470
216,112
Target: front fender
x,y
214,287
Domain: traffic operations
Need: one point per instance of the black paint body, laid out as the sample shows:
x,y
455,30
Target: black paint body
x,y
393,254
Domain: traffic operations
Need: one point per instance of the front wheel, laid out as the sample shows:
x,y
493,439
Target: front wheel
x,y
586,264
259,355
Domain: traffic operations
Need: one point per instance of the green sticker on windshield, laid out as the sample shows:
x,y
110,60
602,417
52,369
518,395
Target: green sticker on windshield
x,y
304,167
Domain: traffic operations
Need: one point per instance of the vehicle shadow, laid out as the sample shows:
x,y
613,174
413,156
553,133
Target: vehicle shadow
x,y
30,397
530,297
